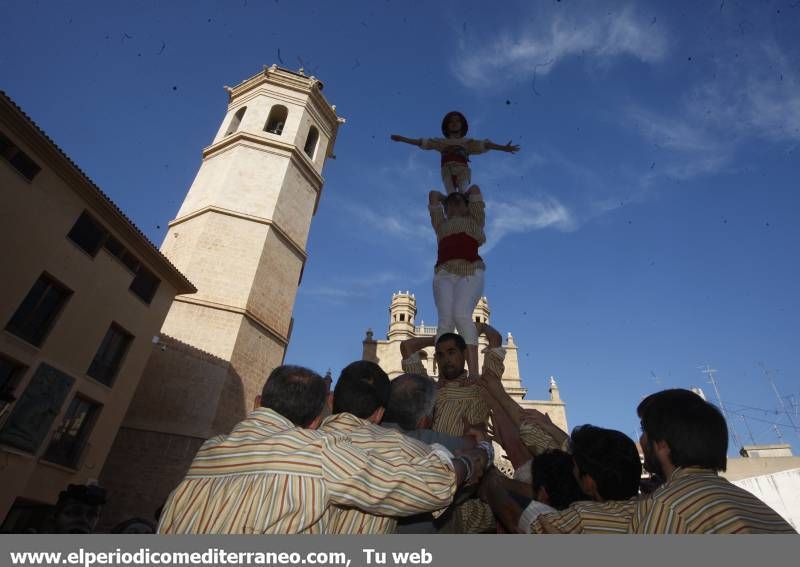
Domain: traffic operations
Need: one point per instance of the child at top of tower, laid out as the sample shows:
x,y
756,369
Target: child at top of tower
x,y
456,149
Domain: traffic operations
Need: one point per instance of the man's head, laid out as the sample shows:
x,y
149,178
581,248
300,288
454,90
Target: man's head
x,y
411,401
297,393
681,429
606,463
78,509
553,481
363,390
451,352
456,205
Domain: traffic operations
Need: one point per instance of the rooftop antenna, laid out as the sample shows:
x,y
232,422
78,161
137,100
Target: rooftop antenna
x,y
768,376
709,372
778,433
749,431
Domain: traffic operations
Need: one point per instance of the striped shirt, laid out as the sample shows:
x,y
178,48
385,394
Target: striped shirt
x,y
431,483
269,476
699,501
459,399
454,403
588,517
471,225
537,440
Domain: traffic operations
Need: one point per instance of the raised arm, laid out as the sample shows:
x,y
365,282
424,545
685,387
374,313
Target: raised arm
x,y
493,361
412,141
476,206
411,346
509,147
505,508
436,208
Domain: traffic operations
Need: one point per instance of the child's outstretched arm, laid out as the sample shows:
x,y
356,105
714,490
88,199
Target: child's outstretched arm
x,y
412,141
509,147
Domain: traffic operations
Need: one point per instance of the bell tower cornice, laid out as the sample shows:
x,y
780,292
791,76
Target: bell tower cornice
x,y
298,82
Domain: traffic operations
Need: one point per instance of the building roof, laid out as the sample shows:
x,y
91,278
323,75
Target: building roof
x,y
29,131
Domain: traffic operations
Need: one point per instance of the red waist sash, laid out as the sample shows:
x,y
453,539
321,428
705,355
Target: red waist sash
x,y
459,246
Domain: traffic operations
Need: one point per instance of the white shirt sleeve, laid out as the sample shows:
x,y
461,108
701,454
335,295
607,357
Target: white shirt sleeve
x,y
529,514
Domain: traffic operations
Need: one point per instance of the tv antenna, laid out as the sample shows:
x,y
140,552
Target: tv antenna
x,y
768,376
709,372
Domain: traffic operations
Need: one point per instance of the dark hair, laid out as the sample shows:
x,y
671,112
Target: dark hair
x,y
694,429
464,123
610,458
89,494
297,393
452,197
362,388
458,339
411,398
552,470
122,526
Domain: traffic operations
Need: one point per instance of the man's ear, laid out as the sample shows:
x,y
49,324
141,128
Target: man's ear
x,y
257,401
377,415
664,456
661,449
425,422
589,487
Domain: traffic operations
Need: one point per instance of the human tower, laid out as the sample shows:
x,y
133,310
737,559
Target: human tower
x,y
458,218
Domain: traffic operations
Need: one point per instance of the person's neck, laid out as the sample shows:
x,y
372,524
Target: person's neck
x,y
668,469
455,381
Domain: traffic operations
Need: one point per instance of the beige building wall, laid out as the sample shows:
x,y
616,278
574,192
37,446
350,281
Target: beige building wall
x,y
35,219
241,236
403,324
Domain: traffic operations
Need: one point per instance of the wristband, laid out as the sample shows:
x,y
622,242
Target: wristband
x,y
467,465
489,450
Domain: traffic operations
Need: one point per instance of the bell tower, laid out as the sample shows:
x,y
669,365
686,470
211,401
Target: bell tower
x,y
481,312
402,311
240,236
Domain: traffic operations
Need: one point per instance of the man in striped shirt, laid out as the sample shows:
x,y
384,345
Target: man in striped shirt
x,y
608,470
458,401
275,473
685,441
359,402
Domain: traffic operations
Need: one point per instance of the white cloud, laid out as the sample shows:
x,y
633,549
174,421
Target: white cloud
x,y
673,133
757,99
525,215
545,44
759,96
411,225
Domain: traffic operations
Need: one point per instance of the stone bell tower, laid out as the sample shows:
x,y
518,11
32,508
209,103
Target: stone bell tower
x,y
240,236
402,311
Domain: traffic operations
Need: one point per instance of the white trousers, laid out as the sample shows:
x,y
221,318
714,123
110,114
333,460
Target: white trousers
x,y
456,177
456,298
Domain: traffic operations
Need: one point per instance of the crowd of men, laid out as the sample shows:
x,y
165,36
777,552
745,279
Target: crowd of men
x,y
415,455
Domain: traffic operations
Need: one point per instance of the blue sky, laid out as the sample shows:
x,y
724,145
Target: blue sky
x,y
647,226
